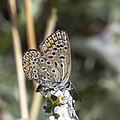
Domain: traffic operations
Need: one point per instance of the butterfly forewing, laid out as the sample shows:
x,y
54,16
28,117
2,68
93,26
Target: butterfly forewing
x,y
56,49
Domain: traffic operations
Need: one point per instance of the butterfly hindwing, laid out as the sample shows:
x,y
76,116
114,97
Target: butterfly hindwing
x,y
30,63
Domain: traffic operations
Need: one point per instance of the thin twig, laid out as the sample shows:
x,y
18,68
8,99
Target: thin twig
x,y
18,59
30,25
51,23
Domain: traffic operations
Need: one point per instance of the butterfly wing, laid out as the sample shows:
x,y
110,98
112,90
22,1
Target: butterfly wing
x,y
56,49
52,64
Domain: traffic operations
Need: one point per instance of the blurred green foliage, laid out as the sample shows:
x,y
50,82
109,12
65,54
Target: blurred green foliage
x,y
95,72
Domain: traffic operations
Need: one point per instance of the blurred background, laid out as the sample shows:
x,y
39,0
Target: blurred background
x,y
93,27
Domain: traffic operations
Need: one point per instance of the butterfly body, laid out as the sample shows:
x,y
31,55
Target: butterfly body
x,y
51,65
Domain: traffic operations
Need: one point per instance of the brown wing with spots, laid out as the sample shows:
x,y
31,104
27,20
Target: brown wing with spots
x,y
56,50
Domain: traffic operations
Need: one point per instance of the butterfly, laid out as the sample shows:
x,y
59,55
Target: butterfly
x,y
50,66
